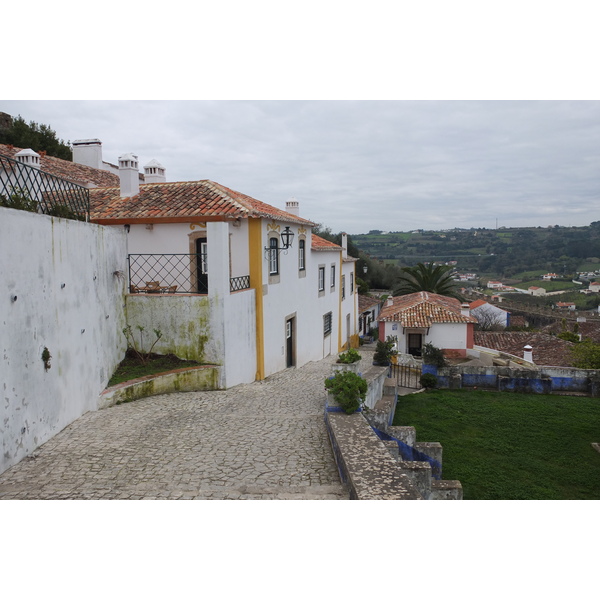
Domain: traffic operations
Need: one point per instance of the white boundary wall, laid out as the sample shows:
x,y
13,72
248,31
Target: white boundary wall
x,y
59,291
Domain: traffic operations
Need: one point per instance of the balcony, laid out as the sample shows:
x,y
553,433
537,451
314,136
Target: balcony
x,y
28,188
174,274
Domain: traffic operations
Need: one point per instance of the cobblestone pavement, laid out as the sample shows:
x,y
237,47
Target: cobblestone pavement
x,y
265,440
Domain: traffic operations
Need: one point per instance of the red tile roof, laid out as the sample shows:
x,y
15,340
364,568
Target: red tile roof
x,y
548,350
319,243
366,303
422,309
180,202
80,174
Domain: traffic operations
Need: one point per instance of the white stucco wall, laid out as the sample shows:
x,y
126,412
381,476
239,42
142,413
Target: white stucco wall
x,y
60,292
448,335
441,335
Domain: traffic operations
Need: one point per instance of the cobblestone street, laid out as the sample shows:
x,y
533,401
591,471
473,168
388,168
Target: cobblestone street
x,y
265,440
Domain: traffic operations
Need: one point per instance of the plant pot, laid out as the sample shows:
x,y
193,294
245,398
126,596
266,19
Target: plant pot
x,y
353,367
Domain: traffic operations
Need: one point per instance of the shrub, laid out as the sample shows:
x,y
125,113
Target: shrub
x,y
350,356
349,390
428,380
433,356
384,351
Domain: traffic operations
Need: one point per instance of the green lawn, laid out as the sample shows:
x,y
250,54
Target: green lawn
x,y
504,446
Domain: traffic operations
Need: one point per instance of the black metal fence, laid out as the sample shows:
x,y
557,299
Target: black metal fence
x,y
28,188
407,376
173,274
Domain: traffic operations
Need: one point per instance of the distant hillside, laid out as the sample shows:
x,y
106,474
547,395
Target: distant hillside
x,y
500,252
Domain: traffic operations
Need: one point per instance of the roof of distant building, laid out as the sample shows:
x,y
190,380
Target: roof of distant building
x,y
422,309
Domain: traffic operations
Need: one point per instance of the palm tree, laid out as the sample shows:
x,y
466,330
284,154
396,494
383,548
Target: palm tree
x,y
427,278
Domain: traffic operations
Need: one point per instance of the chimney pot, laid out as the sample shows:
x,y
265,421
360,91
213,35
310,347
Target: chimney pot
x,y
293,207
129,175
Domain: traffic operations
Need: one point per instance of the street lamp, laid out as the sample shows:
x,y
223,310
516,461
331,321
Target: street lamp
x,y
287,237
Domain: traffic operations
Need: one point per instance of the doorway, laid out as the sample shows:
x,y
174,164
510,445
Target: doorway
x,y
415,343
290,359
202,265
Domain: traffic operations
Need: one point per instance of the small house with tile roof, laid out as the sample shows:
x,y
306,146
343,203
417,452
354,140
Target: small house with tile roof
x,y
488,315
368,313
420,318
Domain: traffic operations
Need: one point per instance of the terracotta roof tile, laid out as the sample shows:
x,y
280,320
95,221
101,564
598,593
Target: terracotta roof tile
x,y
422,309
548,350
319,243
80,174
366,303
180,201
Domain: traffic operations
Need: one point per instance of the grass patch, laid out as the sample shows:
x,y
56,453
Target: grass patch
x,y
132,368
505,446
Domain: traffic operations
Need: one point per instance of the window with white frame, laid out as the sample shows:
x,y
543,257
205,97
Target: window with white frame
x,y
332,282
321,278
327,320
301,255
351,283
343,287
273,256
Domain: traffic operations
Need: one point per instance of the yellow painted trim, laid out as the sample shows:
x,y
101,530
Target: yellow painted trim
x,y
255,253
341,346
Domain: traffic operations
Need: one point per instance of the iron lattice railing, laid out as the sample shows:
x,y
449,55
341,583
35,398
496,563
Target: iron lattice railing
x,y
29,188
239,283
173,274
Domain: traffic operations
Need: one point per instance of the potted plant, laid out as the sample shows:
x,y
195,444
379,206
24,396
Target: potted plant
x,y
348,361
384,352
348,390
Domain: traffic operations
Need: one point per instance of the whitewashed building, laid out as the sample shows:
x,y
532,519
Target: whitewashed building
x,y
228,279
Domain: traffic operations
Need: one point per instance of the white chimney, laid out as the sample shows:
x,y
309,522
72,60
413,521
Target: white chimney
x,y
465,309
528,353
154,172
129,175
344,245
29,157
88,152
390,301
293,207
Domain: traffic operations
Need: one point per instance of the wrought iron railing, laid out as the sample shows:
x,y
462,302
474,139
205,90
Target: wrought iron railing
x,y
29,188
239,283
173,274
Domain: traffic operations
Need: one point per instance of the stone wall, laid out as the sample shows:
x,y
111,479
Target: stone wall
x,y
541,380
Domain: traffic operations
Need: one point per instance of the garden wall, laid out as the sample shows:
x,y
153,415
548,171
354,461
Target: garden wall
x,y
63,288
540,380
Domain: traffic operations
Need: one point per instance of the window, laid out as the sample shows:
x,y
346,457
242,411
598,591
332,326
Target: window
x,y
351,283
343,287
327,324
332,283
321,278
301,255
273,256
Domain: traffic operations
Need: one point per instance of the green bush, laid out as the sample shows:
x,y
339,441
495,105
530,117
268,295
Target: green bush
x,y
429,381
19,200
349,390
350,356
433,356
384,351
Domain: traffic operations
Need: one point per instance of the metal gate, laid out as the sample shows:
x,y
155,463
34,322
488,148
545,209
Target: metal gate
x,y
407,376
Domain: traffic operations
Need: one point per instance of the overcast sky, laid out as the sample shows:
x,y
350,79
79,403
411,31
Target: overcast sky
x,y
361,165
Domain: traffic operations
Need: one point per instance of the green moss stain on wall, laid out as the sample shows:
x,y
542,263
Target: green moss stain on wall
x,y
184,323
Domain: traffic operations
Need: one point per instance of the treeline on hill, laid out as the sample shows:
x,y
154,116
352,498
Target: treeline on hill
x,y
502,252
41,138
